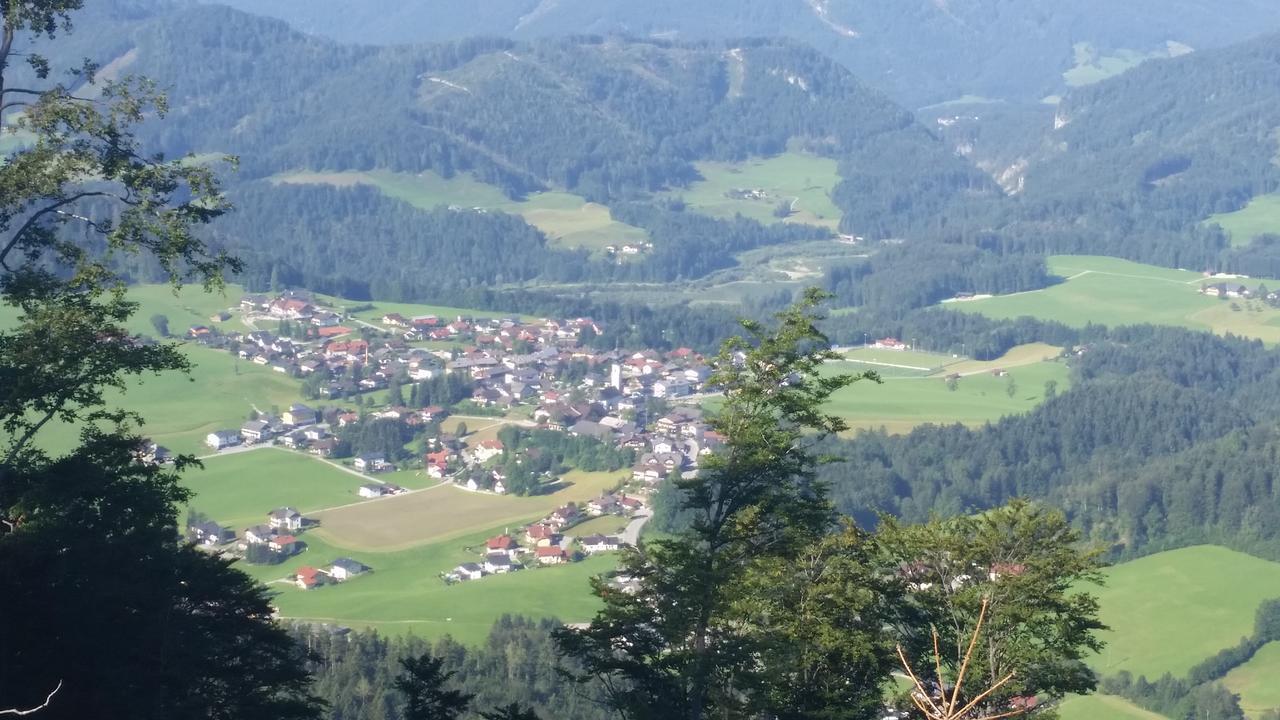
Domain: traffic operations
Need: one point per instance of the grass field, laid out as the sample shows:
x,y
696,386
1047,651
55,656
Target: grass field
x,y
603,525
1092,66
241,488
567,220
1171,610
800,177
1116,292
903,403
180,410
1259,217
447,511
1103,707
1257,682
404,593
907,363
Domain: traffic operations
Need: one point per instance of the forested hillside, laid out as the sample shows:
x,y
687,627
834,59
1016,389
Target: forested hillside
x,y
1168,439
921,52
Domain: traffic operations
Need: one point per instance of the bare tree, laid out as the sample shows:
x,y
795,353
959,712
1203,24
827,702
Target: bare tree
x,y
37,708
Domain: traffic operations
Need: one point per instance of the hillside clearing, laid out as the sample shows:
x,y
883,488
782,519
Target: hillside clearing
x,y
803,180
1103,707
1257,682
1260,217
1190,617
566,219
1116,292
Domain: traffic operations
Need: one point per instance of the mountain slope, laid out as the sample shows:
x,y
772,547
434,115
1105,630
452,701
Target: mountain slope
x,y
1160,148
921,51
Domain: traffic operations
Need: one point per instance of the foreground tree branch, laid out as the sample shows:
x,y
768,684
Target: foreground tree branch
x,y
37,708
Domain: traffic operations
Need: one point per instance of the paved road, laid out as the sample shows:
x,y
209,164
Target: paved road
x,y
631,535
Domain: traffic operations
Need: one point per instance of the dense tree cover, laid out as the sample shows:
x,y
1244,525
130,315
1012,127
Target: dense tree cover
x,y
764,606
118,617
531,454
377,436
920,52
912,276
1166,439
355,673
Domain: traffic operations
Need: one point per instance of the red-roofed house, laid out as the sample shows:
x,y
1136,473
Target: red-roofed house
x,y
286,544
308,577
551,555
488,449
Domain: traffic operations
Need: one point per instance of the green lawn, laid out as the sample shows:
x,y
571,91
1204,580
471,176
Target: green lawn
x,y
241,488
806,179
180,410
902,403
568,220
1103,707
1257,682
1171,610
1259,217
404,593
1116,292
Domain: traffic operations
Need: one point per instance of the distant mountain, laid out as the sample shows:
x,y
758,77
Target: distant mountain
x,y
1162,147
920,51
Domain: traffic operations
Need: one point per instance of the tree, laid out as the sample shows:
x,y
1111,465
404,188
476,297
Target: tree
x,y
88,550
683,645
422,684
1020,566
1050,389
161,324
510,712
1011,387
395,392
461,430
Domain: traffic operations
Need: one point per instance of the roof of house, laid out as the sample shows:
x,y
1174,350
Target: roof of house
x,y
549,552
352,566
470,567
284,512
501,542
284,539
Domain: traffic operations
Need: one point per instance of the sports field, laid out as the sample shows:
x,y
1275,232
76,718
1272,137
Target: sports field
x,y
1171,610
239,489
567,220
1257,682
1116,292
802,179
1261,216
448,511
1103,707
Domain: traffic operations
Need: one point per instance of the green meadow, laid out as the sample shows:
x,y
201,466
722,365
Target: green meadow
x,y
804,179
405,594
239,489
902,403
1260,217
567,219
1171,610
1092,66
1103,707
1257,682
1114,292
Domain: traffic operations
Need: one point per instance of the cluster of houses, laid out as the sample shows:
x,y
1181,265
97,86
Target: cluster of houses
x,y
277,535
1227,290
546,543
339,571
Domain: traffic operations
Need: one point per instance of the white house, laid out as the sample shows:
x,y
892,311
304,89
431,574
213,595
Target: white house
x,y
599,543
469,571
346,568
286,518
497,563
372,490
222,439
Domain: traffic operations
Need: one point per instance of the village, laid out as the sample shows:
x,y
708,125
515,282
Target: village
x,y
394,397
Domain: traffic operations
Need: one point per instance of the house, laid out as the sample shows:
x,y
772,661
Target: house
x,y
255,431
551,555
283,544
498,563
599,543
631,505
889,343
308,578
563,516
345,568
220,439
259,534
285,518
468,571
488,449
211,533
502,544
602,505
540,533
298,415
371,463
372,490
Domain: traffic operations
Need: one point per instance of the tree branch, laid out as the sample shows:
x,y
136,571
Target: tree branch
x,y
35,217
36,709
